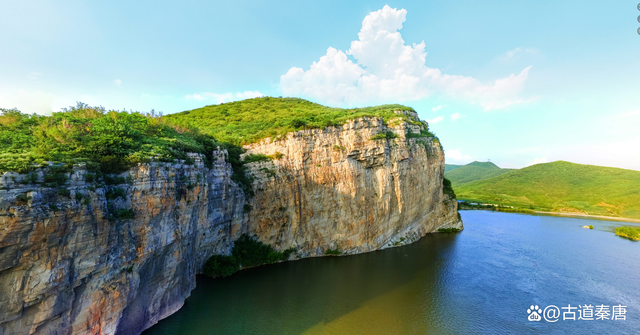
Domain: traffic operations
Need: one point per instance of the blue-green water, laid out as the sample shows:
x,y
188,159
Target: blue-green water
x,y
481,280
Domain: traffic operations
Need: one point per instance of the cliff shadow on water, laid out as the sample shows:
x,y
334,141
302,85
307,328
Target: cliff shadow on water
x,y
265,299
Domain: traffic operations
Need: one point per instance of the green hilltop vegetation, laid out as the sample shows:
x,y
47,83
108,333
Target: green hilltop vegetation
x,y
109,141
112,141
248,121
472,172
561,187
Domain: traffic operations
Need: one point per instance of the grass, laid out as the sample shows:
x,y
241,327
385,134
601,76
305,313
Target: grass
x,y
562,187
514,210
472,172
112,141
246,252
628,232
249,121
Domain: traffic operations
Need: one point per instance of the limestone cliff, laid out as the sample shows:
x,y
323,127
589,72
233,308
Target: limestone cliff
x,y
72,261
337,188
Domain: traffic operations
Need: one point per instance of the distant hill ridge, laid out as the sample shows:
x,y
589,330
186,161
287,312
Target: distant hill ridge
x,y
486,165
449,167
461,174
558,186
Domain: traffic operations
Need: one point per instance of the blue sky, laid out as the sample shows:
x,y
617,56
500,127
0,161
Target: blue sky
x,y
516,82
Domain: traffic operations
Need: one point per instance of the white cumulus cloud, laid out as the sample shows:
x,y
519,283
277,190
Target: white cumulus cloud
x,y
387,70
456,156
435,120
455,116
435,109
219,98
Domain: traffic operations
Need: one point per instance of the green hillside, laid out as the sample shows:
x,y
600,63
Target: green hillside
x,y
472,172
109,141
113,141
449,167
248,121
562,187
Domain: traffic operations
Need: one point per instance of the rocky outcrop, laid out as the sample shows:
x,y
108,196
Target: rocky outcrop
x,y
336,188
91,258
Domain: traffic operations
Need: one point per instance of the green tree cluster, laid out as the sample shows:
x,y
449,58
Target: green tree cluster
x,y
112,140
246,252
628,232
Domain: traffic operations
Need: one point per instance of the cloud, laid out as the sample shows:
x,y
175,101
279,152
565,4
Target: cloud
x,y
626,115
435,109
118,82
455,116
39,102
622,152
34,75
516,53
387,70
219,98
435,120
457,156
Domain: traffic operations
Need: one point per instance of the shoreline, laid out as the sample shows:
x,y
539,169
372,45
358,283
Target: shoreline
x,y
588,216
573,215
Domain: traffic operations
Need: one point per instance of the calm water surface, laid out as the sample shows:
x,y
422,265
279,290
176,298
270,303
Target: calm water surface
x,y
481,280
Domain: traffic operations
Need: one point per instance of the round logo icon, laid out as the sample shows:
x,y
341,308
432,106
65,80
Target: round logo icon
x,y
638,31
638,18
639,6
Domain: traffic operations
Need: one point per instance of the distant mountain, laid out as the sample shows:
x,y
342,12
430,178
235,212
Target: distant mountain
x,y
561,187
449,167
461,174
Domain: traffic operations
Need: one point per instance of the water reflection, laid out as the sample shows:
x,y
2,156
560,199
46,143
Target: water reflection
x,y
479,281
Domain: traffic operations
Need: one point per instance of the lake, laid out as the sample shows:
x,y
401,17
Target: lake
x,y
481,280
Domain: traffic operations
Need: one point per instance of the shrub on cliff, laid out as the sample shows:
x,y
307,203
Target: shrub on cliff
x,y
251,252
246,252
114,140
423,133
448,230
447,188
252,158
333,252
221,266
382,136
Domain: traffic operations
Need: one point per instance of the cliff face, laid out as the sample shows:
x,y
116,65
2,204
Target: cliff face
x,y
73,263
74,271
336,188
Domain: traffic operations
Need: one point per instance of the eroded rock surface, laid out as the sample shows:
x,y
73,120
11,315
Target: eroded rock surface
x,y
73,263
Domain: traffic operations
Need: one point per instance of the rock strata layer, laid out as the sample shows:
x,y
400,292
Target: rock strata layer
x,y
91,258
